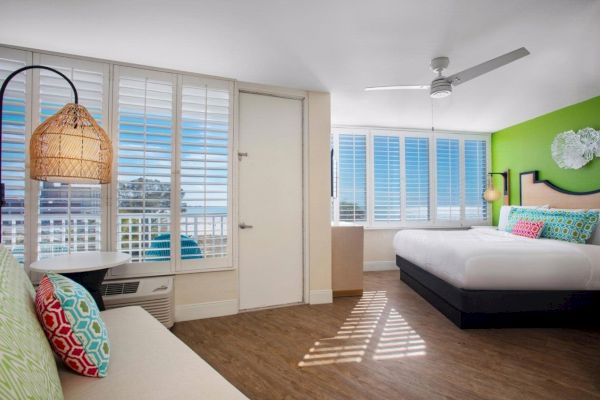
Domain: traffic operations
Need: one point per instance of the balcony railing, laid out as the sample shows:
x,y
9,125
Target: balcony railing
x,y
136,234
146,237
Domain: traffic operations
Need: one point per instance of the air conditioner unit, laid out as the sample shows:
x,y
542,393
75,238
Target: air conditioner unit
x,y
154,295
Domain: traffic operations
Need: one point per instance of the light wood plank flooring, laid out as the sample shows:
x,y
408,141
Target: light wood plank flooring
x,y
391,344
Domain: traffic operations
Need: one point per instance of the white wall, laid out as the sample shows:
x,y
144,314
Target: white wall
x,y
319,210
206,294
379,250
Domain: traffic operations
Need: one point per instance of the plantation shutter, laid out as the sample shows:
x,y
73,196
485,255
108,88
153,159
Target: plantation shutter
x,y
145,132
204,164
476,208
416,160
448,179
14,128
70,216
352,190
386,178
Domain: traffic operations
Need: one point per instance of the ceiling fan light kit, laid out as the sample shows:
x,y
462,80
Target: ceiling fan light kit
x,y
442,85
440,88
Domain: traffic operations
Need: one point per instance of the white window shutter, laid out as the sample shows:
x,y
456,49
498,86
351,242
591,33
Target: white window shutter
x,y
448,202
145,118
386,178
352,177
416,156
14,138
204,163
70,216
476,208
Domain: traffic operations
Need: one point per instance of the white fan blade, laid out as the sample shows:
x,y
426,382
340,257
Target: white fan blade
x,y
397,87
484,68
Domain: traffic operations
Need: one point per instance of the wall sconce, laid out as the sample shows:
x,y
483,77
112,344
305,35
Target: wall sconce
x,y
491,194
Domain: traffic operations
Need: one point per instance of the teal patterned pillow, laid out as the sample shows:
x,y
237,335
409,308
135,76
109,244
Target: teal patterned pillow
x,y
569,226
73,325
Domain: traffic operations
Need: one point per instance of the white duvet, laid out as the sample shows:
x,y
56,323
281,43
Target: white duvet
x,y
492,259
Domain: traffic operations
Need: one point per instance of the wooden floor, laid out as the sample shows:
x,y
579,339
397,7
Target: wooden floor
x,y
391,344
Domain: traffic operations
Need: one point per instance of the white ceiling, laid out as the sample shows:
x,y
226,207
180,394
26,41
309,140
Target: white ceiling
x,y
341,46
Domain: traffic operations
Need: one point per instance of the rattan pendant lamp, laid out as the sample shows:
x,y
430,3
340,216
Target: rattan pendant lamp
x,y
69,147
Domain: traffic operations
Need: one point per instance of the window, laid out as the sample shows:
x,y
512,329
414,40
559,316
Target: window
x,y
171,177
448,179
204,158
416,150
144,183
395,178
69,215
475,179
386,178
352,177
14,134
173,170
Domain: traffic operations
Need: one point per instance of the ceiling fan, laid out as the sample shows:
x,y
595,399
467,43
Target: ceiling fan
x,y
442,85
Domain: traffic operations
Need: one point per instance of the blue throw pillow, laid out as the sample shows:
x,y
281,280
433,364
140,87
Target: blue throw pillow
x,y
570,226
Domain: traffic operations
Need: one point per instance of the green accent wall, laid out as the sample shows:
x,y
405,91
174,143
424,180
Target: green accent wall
x,y
526,147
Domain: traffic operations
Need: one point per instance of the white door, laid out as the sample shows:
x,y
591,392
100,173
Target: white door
x,y
270,201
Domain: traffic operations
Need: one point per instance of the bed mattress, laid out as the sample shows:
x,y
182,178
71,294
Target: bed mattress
x,y
488,259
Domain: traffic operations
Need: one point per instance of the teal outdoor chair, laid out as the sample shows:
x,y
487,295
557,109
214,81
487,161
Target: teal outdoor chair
x,y
160,248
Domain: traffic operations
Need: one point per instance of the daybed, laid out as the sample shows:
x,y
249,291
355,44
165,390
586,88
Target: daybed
x,y
146,360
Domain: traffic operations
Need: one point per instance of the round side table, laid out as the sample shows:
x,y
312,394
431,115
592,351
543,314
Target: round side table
x,y
87,268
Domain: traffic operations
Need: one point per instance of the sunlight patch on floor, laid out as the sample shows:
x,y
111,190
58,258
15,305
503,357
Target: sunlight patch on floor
x,y
352,337
398,339
368,321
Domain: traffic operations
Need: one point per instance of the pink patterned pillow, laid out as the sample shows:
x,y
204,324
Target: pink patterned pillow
x,y
530,229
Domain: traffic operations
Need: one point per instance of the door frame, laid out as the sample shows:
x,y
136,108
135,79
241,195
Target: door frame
x,y
285,93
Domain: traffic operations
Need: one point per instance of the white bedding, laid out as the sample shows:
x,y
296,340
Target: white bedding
x,y
492,259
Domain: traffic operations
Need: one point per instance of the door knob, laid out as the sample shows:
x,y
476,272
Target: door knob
x,y
244,226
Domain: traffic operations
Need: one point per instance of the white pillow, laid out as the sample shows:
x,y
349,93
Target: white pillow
x,y
505,212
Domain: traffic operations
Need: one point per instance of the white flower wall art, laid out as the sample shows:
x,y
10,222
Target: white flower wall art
x,y
573,150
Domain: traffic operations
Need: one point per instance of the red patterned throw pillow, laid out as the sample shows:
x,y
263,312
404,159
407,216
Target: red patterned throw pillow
x,y
71,320
530,229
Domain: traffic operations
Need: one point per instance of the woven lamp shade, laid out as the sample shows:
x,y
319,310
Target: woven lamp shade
x,y
70,147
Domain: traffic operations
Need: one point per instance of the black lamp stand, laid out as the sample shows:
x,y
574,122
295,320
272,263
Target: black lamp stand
x,y
2,90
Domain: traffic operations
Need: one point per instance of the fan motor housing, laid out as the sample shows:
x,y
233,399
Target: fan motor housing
x,y
440,87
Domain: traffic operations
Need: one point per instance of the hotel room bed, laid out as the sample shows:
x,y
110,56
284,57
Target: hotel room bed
x,y
483,277
489,259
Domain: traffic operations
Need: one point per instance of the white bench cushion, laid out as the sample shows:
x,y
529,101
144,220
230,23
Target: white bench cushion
x,y
147,362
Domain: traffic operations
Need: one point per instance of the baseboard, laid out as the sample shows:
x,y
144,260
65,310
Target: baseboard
x,y
380,266
321,296
187,312
347,293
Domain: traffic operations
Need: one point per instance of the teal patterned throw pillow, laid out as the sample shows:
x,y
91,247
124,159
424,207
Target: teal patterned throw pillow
x,y
72,322
569,226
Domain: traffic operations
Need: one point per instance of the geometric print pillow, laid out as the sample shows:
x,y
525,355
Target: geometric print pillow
x,y
72,323
570,226
529,229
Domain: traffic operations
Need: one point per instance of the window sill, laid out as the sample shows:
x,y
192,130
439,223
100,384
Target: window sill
x,y
464,225
432,227
137,275
203,270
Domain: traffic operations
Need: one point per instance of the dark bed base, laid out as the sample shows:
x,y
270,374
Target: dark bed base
x,y
503,308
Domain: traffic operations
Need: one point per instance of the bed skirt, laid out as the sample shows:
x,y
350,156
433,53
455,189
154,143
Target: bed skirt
x,y
503,308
